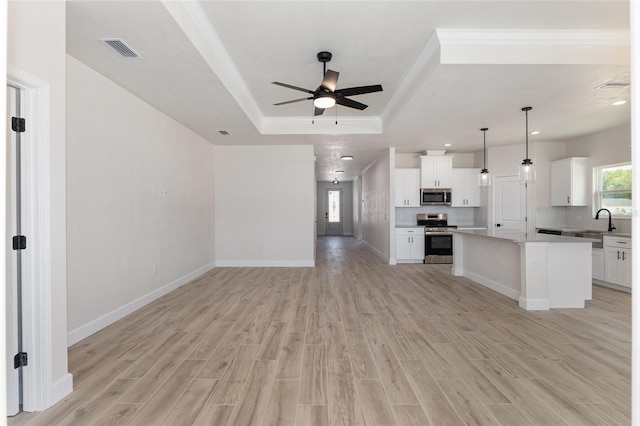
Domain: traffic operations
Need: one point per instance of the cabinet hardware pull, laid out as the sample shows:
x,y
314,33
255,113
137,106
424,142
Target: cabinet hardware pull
x,y
622,255
618,254
567,200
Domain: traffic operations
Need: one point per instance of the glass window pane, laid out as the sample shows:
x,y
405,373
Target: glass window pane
x,y
619,203
334,206
616,178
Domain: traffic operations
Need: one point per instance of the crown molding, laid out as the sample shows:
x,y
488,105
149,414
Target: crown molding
x,y
321,126
515,36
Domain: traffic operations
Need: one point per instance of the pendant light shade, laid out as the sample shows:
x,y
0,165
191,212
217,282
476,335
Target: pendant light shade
x,y
527,169
485,176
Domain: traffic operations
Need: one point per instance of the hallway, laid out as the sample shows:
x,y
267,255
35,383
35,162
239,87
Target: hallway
x,y
353,341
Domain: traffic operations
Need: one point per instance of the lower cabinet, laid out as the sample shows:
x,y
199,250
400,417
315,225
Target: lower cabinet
x,y
617,260
410,245
597,264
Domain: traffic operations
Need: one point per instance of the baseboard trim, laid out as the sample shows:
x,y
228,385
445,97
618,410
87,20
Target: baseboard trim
x,y
266,263
376,251
84,331
493,285
534,304
60,389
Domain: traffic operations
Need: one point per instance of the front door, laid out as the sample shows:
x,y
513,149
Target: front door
x,y
508,208
333,211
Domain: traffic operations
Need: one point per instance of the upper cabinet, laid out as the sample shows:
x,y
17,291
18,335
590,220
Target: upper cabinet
x,y
570,182
465,189
407,187
436,171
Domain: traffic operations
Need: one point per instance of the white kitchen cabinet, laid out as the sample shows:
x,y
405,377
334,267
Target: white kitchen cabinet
x,y
407,187
465,189
570,182
410,245
597,264
436,171
617,260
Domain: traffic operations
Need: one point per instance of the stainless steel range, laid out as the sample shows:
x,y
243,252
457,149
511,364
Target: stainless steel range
x,y
438,239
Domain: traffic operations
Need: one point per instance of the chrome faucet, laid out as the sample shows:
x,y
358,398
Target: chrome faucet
x,y
611,227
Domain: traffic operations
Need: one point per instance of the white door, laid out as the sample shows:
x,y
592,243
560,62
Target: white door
x,y
333,211
508,210
13,376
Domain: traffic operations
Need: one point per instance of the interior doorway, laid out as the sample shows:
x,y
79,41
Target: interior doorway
x,y
508,211
334,211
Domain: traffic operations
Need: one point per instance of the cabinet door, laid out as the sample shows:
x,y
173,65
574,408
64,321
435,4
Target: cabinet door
x,y
597,264
436,171
458,188
417,247
560,183
612,262
472,188
401,200
625,268
403,247
412,187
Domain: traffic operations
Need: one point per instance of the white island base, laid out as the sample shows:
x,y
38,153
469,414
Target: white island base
x,y
539,271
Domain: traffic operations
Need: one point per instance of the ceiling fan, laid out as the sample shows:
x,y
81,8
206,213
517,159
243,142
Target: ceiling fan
x,y
326,95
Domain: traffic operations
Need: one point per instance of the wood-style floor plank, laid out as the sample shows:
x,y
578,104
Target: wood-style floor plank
x,y
353,341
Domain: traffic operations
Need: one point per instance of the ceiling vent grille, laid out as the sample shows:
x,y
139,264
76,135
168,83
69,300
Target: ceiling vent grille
x,y
121,48
613,85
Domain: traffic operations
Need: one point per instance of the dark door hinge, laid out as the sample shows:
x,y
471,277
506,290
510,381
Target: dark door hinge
x,y
19,242
20,360
18,124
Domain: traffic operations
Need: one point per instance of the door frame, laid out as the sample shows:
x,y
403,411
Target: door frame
x,y
522,202
37,319
326,209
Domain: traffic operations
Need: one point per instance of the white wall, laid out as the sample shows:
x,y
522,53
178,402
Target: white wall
x,y
607,147
265,204
139,202
357,211
347,203
377,210
36,45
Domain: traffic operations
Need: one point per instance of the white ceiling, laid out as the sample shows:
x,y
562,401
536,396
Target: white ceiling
x,y
448,68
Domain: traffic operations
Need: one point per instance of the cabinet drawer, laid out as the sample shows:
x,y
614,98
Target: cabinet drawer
x,y
410,231
612,241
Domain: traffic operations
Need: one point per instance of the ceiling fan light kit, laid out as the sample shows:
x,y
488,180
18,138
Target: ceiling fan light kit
x,y
327,95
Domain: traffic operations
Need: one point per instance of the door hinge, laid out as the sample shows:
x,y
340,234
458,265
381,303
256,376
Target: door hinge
x,y
19,242
18,124
20,360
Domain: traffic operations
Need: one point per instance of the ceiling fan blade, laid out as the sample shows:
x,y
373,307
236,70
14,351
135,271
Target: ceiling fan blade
x,y
292,87
352,91
318,111
350,103
295,100
330,80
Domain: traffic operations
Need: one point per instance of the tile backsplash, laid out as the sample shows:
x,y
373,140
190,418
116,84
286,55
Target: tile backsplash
x,y
577,218
455,215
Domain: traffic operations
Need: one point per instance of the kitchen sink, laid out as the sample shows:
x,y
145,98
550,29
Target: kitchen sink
x,y
596,235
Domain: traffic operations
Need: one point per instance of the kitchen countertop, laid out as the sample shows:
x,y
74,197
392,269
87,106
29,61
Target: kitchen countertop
x,y
521,237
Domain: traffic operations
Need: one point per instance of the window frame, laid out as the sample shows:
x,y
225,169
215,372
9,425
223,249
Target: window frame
x,y
598,192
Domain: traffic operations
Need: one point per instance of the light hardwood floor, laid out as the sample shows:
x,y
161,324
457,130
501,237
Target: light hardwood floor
x,y
352,341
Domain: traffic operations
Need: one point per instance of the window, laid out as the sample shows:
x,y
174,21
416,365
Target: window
x,y
613,189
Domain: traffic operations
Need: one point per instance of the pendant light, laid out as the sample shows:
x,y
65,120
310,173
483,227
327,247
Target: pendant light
x,y
485,176
527,170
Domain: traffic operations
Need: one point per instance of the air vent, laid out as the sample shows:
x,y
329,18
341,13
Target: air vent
x,y
121,48
224,132
613,85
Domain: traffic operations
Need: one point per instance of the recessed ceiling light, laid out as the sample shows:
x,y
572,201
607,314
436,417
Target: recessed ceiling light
x,y
347,157
535,132
616,103
339,171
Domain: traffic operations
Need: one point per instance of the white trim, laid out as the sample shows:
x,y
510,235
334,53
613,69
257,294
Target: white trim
x,y
37,321
266,263
534,304
516,36
61,388
347,125
493,285
84,331
378,252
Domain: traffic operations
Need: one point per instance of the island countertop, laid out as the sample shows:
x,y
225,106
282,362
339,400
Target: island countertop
x,y
523,237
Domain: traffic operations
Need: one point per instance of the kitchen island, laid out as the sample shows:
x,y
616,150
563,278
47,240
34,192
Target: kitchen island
x,y
539,271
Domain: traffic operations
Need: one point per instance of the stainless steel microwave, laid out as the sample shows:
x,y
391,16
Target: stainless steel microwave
x,y
435,196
